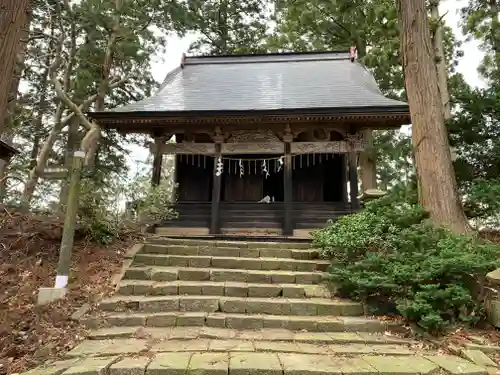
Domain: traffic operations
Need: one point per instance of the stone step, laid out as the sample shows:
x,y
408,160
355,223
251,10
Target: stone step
x,y
265,264
224,357
240,321
268,334
226,251
221,243
248,305
158,273
112,347
229,289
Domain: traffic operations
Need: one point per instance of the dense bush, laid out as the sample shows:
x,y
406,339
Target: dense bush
x,y
389,256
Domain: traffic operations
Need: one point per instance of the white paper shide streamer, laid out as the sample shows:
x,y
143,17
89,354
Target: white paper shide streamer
x,y
242,169
264,169
220,167
280,163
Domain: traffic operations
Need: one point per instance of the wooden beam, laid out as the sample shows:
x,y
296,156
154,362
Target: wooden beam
x,y
190,148
334,147
287,184
157,162
353,180
216,189
253,148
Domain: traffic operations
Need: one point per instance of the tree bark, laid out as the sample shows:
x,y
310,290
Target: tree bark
x,y
366,160
441,63
438,192
13,15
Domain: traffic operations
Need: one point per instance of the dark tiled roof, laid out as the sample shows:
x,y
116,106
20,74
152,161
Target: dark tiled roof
x,y
266,82
6,150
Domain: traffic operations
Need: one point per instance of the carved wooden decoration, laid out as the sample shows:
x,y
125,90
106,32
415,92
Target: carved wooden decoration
x,y
253,148
253,136
188,148
339,147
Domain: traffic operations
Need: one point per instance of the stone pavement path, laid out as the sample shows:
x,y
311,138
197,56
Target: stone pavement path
x,y
205,307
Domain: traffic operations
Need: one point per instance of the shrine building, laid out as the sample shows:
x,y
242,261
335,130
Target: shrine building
x,y
264,144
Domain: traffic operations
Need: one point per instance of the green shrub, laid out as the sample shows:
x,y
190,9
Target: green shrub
x,y
392,258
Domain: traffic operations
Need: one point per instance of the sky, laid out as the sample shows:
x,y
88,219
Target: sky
x,y
449,8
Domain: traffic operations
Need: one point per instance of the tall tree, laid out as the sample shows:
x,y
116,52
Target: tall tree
x,y
227,27
437,185
14,14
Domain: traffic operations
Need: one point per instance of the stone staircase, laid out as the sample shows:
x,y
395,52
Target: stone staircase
x,y
241,308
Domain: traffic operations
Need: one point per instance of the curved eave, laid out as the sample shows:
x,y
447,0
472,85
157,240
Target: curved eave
x,y
7,151
144,122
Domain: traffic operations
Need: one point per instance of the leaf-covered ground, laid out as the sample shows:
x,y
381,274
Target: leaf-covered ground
x,y
29,245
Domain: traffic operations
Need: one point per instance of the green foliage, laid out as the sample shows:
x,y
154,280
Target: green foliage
x,y
156,205
390,256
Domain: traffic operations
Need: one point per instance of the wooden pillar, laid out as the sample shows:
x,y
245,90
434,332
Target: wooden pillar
x,y
353,179
157,162
287,185
216,189
345,177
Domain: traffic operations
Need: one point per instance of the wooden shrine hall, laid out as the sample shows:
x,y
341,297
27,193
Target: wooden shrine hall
x,y
264,144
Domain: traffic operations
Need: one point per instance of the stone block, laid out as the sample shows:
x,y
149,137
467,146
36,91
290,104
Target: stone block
x,y
268,306
276,347
159,304
307,348
233,305
333,309
53,368
251,263
305,266
298,323
48,295
190,288
164,275
308,278
249,253
212,289
181,345
165,289
169,364
312,337
209,364
301,364
129,366
137,274
184,333
456,365
182,250
259,277
126,320
317,291
161,320
264,290
362,324
200,262
232,289
93,348
276,322
244,322
126,288
216,321
292,291
199,303
275,253
229,275
478,357
273,264
195,319
401,365
494,277
217,333
283,278
178,261
227,263
347,309
255,364
194,274
91,366
231,346
304,308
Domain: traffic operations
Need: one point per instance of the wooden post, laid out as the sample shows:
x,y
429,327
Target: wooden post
x,y
287,194
157,162
216,189
345,178
353,180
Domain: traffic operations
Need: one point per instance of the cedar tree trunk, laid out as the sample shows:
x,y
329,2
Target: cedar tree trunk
x,y
438,192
